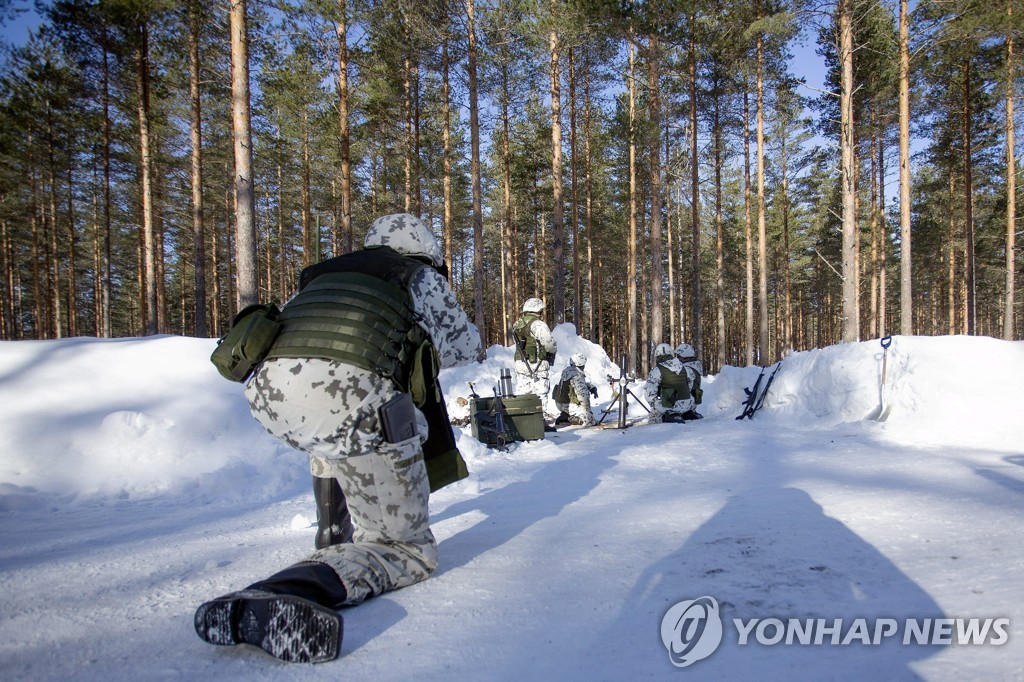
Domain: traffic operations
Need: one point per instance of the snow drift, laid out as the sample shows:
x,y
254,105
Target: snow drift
x,y
131,418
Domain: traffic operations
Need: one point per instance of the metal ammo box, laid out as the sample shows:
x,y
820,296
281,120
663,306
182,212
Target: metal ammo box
x,y
499,421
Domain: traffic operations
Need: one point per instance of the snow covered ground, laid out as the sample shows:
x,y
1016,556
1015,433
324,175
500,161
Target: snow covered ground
x,y
134,486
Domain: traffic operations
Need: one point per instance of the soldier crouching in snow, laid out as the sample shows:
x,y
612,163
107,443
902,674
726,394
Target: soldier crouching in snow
x,y
673,386
351,381
572,394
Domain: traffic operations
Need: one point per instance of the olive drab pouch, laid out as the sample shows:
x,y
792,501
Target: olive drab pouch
x,y
252,334
561,393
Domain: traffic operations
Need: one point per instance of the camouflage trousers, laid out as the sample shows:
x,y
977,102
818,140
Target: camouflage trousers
x,y
658,412
536,381
578,414
329,411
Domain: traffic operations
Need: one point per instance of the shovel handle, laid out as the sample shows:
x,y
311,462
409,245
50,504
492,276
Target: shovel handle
x,y
886,341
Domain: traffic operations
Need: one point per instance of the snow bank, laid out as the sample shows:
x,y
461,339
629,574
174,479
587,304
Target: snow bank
x,y
134,418
128,418
947,389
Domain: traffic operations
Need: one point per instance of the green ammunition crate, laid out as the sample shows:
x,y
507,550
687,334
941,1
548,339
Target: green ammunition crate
x,y
522,417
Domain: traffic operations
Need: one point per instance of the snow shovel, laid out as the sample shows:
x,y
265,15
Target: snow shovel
x,y
883,409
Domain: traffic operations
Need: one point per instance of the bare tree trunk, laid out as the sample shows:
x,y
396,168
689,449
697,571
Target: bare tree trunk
x,y
951,282
969,274
762,238
883,321
345,170
577,299
305,209
657,275
873,320
557,212
506,163
851,316
719,236
906,288
149,236
674,331
407,109
697,340
198,228
478,222
446,135
592,288
748,233
787,334
245,228
1011,188
631,293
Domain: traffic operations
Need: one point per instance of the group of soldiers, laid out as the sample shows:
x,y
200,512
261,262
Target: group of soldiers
x,y
672,389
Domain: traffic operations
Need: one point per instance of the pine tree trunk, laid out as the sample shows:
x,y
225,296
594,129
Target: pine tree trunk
x,y
719,236
345,162
146,163
883,321
631,293
1009,330
577,304
446,135
478,222
105,266
309,240
850,313
557,208
697,339
198,228
592,287
762,238
671,244
787,318
245,230
906,288
951,279
873,319
748,326
969,274
506,164
657,274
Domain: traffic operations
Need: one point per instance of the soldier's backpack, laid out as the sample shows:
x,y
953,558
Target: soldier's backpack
x,y
561,394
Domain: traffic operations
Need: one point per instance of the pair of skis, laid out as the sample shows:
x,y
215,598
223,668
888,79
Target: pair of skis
x,y
756,395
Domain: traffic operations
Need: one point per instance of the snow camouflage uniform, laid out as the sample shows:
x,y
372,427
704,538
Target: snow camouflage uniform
x,y
328,408
670,385
572,393
535,351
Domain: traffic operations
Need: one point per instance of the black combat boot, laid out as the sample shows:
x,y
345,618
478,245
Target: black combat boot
x,y
334,523
291,615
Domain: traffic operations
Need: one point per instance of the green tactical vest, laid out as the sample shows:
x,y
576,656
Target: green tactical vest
x,y
355,309
673,386
527,347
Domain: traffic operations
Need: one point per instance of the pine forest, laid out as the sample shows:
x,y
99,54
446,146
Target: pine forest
x,y
655,171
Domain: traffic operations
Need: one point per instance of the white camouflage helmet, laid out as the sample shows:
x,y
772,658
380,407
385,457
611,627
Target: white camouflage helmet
x,y
407,235
685,350
662,350
578,359
533,305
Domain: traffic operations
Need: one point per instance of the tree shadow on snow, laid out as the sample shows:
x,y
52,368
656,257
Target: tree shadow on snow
x,y
773,553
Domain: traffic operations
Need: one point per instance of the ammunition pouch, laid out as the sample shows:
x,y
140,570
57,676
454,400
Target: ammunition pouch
x,y
247,343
